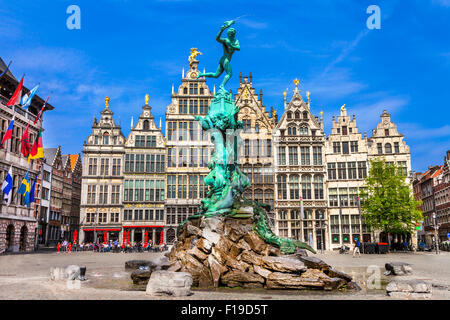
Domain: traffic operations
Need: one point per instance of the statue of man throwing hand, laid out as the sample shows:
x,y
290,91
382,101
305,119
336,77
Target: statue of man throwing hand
x,y
230,44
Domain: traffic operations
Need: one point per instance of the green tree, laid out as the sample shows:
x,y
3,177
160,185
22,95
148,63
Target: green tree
x,y
388,204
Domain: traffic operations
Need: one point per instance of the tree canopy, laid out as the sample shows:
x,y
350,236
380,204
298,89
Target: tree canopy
x,y
388,204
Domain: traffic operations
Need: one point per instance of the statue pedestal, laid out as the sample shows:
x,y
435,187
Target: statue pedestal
x,y
228,252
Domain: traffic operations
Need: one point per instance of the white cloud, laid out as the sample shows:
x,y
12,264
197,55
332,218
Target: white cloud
x,y
253,24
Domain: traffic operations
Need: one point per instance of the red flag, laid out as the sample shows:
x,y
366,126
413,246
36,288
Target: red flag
x,y
42,110
15,99
25,146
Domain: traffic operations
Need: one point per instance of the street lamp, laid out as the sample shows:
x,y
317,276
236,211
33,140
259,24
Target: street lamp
x,y
436,232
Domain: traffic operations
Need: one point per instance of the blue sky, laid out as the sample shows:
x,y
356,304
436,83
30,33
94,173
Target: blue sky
x,y
126,49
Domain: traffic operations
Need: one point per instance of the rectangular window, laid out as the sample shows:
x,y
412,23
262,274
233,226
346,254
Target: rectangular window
x,y
336,147
305,155
193,183
182,186
150,142
354,146
317,156
331,171
115,192
293,156
344,130
182,106
333,197
343,197
204,157
345,147
362,169
116,167
171,157
193,106
341,171
92,166
380,148
396,147
171,131
246,148
171,186
193,158
269,147
351,169
203,106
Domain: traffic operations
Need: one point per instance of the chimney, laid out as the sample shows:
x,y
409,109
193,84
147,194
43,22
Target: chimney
x,y
251,78
240,77
261,96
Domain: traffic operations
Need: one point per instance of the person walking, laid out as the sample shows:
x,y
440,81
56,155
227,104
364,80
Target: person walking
x,y
69,246
58,247
356,249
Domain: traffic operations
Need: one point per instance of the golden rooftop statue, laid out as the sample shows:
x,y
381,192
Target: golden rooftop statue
x,y
107,101
296,82
194,53
307,94
343,107
321,113
146,99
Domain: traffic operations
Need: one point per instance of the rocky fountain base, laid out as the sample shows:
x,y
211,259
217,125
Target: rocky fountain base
x,y
227,252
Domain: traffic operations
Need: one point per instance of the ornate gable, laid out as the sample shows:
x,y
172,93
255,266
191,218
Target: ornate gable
x,y
298,115
146,126
251,106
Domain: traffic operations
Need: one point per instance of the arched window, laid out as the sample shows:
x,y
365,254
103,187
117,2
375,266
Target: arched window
x,y
388,148
294,187
297,115
259,196
146,125
306,187
305,115
289,115
292,131
106,138
282,188
304,131
318,187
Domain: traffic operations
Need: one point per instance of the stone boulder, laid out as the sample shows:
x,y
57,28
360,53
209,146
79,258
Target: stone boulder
x,y
398,268
415,289
135,264
220,251
141,277
162,282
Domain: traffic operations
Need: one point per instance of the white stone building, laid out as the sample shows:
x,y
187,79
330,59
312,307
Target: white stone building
x,y
102,180
144,181
300,170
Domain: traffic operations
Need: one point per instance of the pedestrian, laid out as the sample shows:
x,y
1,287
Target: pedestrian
x,y
356,249
58,246
69,246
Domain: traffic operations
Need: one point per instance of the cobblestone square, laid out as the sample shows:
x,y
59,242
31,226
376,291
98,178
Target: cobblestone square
x,y
27,276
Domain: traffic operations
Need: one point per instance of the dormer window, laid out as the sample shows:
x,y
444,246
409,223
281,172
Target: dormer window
x,y
303,131
297,115
305,115
289,115
388,148
344,130
185,91
106,138
292,131
146,125
202,91
386,132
